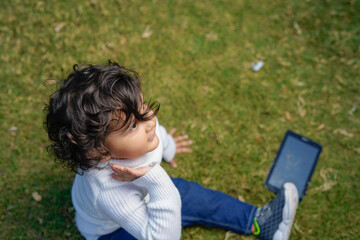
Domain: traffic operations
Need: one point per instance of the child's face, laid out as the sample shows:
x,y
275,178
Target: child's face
x,y
139,139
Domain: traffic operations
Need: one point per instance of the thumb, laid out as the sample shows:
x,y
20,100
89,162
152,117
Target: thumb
x,y
173,163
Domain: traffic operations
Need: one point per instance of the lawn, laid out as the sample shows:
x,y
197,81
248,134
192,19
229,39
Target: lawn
x,y
195,60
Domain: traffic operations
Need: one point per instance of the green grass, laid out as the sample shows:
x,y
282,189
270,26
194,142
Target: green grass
x,y
197,64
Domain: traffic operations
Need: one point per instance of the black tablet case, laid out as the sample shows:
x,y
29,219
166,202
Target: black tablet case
x,y
295,162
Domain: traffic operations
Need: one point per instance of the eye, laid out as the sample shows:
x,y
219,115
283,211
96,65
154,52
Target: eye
x,y
133,127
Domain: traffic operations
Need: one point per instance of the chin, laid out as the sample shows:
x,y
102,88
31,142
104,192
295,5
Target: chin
x,y
155,143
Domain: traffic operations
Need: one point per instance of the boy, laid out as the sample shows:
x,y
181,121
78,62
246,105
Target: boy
x,y
101,128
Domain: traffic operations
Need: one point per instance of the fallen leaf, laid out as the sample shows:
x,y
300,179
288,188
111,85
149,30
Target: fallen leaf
x,y
228,235
297,28
335,108
123,40
325,187
321,126
298,229
110,45
40,220
212,36
302,112
297,83
59,27
147,33
301,101
340,80
343,132
288,116
327,171
39,5
283,62
37,197
205,89
13,128
353,109
51,81
241,198
301,105
257,138
206,181
328,184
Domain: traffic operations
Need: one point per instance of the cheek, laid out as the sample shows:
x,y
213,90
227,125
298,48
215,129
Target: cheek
x,y
136,147
156,142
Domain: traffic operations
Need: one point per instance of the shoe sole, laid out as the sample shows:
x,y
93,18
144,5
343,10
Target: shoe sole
x,y
289,211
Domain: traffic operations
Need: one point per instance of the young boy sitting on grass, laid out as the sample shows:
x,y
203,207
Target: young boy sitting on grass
x,y
101,128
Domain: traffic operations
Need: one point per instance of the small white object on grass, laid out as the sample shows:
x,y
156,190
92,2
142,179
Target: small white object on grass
x,y
353,109
257,66
147,33
13,128
37,197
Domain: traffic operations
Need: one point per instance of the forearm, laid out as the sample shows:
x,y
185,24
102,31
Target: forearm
x,y
169,145
164,206
156,218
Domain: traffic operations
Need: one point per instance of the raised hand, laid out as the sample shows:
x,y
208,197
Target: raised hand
x,y
181,145
127,174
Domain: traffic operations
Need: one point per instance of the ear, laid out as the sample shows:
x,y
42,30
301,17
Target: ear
x,y
71,137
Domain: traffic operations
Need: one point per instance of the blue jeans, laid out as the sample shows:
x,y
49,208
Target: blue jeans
x,y
203,206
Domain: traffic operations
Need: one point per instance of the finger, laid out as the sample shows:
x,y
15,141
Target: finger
x,y
173,163
117,168
124,173
180,138
172,131
133,172
122,178
115,176
184,143
183,150
120,169
127,173
141,171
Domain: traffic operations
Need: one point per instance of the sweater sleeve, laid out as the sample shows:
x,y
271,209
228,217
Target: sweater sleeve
x,y
158,218
169,145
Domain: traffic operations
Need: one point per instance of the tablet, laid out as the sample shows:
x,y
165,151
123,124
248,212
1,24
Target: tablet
x,y
295,162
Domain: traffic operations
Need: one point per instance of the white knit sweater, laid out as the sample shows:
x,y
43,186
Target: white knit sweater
x,y
147,208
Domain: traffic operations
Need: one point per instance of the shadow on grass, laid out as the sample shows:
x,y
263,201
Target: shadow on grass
x,y
50,218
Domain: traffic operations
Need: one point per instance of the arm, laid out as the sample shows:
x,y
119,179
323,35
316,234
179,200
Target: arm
x,y
169,145
172,146
160,218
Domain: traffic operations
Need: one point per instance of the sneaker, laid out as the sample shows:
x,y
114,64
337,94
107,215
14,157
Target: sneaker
x,y
275,219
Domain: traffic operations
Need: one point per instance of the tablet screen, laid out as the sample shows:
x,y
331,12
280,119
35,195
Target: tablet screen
x,y
295,163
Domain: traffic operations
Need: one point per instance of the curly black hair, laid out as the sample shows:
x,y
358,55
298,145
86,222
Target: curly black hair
x,y
92,102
